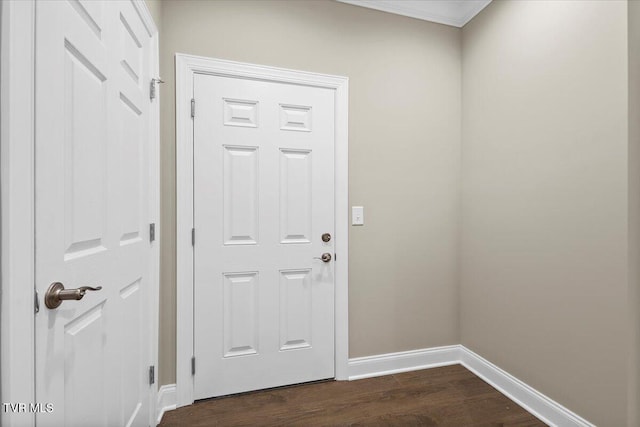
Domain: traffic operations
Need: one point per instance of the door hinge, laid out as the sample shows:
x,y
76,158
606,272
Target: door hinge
x,y
193,237
152,87
152,232
193,108
152,375
335,256
36,303
193,365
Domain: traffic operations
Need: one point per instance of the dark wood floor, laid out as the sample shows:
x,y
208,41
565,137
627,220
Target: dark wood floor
x,y
448,396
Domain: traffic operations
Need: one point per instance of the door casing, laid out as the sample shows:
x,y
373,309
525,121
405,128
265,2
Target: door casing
x,y
17,205
186,67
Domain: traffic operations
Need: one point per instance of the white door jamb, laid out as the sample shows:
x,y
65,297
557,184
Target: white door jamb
x,y
17,326
186,67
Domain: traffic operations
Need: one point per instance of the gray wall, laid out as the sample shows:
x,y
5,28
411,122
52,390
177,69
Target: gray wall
x,y
544,261
404,148
155,8
542,277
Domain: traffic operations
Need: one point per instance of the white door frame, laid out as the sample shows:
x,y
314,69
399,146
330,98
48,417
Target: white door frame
x,y
186,67
17,326
17,206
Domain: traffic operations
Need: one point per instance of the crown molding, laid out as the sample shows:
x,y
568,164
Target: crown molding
x,y
454,13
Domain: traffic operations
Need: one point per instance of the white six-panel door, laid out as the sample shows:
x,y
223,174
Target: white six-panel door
x,y
263,198
93,71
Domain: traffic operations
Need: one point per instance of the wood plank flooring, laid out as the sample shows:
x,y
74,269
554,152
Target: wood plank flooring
x,y
447,396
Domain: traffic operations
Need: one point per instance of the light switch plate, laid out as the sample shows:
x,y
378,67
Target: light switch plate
x,y
357,215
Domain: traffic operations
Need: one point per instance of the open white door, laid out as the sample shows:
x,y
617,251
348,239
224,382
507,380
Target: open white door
x,y
264,234
93,189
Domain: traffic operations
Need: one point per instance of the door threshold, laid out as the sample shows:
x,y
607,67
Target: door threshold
x,y
207,399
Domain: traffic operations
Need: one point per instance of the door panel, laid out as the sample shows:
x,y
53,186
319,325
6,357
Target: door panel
x,y
240,314
240,197
131,386
84,348
84,142
295,196
263,197
92,197
296,302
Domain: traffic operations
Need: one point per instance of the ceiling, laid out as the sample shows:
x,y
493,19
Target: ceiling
x,y
450,12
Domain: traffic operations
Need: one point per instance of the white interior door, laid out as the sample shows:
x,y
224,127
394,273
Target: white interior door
x,y
263,198
93,68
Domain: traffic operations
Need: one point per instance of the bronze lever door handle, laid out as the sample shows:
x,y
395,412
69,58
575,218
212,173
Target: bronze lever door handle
x,y
326,257
57,293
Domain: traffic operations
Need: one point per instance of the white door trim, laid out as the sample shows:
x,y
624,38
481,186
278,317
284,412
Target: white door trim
x,y
17,325
17,203
186,67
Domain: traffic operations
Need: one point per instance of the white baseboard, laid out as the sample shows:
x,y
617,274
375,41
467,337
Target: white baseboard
x,y
166,400
393,363
544,408
539,405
